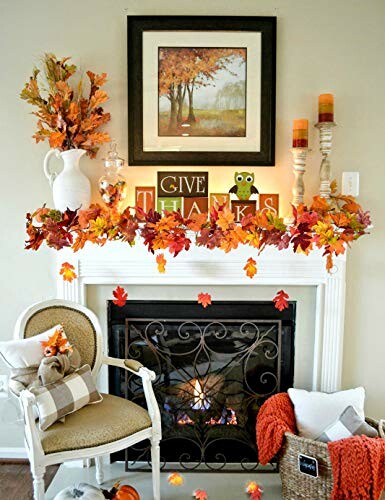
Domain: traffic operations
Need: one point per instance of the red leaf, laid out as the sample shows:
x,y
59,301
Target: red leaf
x,y
120,295
254,490
204,299
281,300
200,495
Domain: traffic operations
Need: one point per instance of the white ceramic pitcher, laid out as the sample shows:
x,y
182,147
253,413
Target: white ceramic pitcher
x,y
70,188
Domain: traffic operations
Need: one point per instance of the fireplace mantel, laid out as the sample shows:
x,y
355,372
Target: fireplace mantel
x,y
119,264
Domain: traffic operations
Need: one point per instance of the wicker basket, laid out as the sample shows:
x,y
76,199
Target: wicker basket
x,y
297,485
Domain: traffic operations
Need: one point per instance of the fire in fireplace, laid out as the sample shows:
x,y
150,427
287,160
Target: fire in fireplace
x,y
214,369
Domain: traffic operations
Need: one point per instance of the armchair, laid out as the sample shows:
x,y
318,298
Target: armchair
x,y
95,430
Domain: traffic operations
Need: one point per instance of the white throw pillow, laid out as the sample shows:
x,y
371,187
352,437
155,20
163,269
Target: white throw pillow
x,y
315,411
25,352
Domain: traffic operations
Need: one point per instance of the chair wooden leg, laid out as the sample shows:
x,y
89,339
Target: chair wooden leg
x,y
155,464
99,470
38,483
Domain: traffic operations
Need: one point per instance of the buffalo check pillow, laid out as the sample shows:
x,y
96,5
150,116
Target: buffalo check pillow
x,y
347,425
56,400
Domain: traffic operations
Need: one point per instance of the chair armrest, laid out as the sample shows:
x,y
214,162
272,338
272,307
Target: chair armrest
x,y
31,431
130,365
147,377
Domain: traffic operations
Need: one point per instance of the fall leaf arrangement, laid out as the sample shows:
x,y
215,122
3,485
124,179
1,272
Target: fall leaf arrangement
x,y
57,343
327,226
67,118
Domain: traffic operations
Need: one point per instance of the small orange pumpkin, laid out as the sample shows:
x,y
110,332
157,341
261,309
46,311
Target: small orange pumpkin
x,y
126,492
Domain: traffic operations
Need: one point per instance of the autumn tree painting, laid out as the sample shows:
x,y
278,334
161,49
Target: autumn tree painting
x,y
202,91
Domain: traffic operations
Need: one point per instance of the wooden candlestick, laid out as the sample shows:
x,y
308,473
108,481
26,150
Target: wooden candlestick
x,y
325,140
299,156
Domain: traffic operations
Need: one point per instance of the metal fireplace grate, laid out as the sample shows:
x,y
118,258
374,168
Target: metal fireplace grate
x,y
213,374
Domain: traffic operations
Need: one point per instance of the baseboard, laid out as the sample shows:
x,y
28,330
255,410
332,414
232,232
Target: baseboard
x,y
12,453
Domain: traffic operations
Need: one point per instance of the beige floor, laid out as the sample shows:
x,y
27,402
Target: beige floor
x,y
219,486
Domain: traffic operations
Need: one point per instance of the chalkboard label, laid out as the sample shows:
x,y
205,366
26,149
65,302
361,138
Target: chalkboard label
x,y
308,465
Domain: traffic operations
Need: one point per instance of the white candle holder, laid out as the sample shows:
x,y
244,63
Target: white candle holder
x,y
299,156
325,141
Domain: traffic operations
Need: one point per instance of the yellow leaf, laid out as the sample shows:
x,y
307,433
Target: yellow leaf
x,y
161,261
67,270
250,267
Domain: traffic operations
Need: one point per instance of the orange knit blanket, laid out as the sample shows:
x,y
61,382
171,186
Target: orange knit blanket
x,y
275,417
358,463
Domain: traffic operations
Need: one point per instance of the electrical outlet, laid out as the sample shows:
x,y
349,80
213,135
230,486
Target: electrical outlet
x,y
351,183
3,386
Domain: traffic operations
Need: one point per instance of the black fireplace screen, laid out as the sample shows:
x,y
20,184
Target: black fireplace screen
x,y
215,367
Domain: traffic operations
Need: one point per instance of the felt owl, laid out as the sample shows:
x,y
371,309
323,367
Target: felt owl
x,y
244,187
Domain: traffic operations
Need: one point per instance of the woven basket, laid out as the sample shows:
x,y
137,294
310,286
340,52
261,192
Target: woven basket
x,y
297,485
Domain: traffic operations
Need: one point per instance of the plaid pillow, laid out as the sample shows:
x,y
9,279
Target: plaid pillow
x,y
56,400
348,424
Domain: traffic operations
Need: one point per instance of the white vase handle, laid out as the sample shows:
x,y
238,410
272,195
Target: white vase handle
x,y
51,176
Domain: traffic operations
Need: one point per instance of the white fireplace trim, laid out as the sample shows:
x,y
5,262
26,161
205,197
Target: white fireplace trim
x,y
118,264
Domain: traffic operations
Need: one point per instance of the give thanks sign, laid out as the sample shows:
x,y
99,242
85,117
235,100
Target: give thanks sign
x,y
186,184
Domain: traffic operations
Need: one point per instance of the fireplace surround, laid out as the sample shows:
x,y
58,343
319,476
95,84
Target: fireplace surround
x,y
118,264
214,367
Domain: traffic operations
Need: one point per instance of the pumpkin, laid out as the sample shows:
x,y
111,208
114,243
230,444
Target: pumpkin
x,y
80,491
126,492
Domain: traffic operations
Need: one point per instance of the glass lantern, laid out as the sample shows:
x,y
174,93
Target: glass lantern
x,y
112,185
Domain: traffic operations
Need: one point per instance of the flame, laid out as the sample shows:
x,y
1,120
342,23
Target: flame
x,y
201,401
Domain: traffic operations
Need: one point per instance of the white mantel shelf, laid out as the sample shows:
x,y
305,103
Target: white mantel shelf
x,y
118,263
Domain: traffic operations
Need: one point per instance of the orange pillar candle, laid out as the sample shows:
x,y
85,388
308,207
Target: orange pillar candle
x,y
326,108
300,133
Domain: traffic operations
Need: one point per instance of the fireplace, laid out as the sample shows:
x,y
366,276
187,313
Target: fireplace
x,y
214,367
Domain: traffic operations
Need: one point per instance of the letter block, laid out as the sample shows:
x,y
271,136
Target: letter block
x,y
186,184
195,206
220,200
242,208
145,198
269,202
171,204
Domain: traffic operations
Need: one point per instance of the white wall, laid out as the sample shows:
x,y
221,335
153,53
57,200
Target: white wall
x,y
329,46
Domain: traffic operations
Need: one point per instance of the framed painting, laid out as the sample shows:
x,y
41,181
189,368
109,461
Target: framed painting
x,y
201,90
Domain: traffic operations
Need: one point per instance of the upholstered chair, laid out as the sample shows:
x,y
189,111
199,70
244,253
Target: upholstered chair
x,y
94,430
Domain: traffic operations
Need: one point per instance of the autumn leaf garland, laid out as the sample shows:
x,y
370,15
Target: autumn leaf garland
x,y
331,228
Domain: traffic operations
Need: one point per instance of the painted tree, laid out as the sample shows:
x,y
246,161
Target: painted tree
x,y
183,70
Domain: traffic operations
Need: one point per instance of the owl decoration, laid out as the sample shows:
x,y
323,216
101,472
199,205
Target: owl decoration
x,y
244,185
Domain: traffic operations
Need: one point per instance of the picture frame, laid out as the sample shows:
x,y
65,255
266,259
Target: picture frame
x,y
230,72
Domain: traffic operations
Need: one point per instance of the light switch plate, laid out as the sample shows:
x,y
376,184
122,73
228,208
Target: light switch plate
x,y
351,183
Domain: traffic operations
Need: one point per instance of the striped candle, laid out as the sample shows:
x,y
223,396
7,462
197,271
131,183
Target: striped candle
x,y
326,108
300,133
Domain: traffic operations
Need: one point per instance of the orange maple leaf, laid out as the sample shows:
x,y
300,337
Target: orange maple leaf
x,y
200,495
281,300
204,299
340,219
338,247
56,139
120,295
67,270
197,221
250,267
319,204
161,261
175,479
225,218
